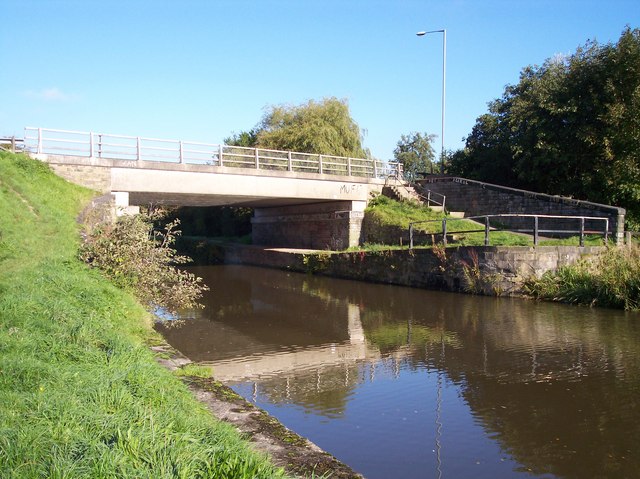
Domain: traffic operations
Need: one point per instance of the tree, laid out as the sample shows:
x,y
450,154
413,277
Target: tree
x,y
323,127
569,127
415,153
244,138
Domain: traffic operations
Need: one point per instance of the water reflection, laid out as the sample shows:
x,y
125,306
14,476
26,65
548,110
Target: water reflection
x,y
400,382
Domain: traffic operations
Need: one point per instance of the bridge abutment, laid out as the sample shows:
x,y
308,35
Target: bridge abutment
x,y
332,225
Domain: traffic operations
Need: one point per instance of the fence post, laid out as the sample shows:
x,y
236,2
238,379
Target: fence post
x,y
90,144
628,238
535,231
444,231
375,168
290,165
39,140
138,148
410,235
582,231
257,159
320,164
606,231
99,145
181,151
486,231
349,166
220,151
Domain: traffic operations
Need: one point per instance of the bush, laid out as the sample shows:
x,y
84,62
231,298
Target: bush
x,y
142,260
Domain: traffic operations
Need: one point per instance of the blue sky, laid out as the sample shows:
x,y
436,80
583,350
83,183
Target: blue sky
x,y
200,70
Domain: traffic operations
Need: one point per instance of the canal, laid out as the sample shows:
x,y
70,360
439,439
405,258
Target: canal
x,y
409,383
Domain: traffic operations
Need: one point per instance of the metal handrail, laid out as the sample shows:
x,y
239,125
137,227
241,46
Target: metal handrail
x,y
535,230
133,148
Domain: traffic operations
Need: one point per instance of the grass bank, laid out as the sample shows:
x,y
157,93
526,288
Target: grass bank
x,y
80,393
610,280
383,212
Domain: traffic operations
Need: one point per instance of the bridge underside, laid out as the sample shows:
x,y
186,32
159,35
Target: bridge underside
x,y
296,210
180,199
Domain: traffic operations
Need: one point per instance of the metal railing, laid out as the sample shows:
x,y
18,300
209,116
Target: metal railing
x,y
132,148
535,230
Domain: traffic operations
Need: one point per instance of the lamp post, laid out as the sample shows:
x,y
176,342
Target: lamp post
x,y
444,78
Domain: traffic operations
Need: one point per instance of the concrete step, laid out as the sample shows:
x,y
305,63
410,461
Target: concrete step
x,y
456,214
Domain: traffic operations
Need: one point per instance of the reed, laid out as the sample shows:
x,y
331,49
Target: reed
x,y
611,279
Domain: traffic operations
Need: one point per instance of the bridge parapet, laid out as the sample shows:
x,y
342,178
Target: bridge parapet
x,y
41,141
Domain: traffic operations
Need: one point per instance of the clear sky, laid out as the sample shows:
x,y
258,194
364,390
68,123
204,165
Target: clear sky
x,y
200,70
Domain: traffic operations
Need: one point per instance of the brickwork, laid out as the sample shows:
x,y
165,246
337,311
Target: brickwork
x,y
477,198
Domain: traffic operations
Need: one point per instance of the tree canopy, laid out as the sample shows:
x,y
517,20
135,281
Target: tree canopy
x,y
323,127
415,153
569,127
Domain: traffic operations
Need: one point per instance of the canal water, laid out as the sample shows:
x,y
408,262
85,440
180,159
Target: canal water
x,y
408,383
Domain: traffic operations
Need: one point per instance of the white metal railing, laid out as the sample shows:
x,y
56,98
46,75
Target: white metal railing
x,y
132,148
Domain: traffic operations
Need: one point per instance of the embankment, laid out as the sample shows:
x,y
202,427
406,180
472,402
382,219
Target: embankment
x,y
491,270
81,393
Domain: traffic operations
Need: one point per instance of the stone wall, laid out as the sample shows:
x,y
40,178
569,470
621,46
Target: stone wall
x,y
97,178
477,198
488,270
332,225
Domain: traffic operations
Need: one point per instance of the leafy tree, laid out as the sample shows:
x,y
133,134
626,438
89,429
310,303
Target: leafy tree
x,y
569,127
323,127
244,138
415,153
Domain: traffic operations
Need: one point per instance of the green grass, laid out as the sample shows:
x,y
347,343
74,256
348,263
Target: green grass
x,y
609,280
80,393
384,211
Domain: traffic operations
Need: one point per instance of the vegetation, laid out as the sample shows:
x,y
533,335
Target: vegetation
x,y
80,393
324,127
141,259
415,153
569,127
385,212
610,280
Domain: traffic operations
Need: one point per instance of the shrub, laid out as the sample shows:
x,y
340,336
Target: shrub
x,y
142,260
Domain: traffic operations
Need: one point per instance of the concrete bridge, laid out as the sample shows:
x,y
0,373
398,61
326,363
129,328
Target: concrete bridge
x,y
299,199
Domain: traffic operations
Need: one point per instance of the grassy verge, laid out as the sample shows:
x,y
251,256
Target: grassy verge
x,y
80,393
611,280
384,211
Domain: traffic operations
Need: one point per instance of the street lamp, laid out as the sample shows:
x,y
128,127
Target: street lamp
x,y
444,77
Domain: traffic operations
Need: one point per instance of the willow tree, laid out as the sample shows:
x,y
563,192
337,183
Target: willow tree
x,y
323,127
